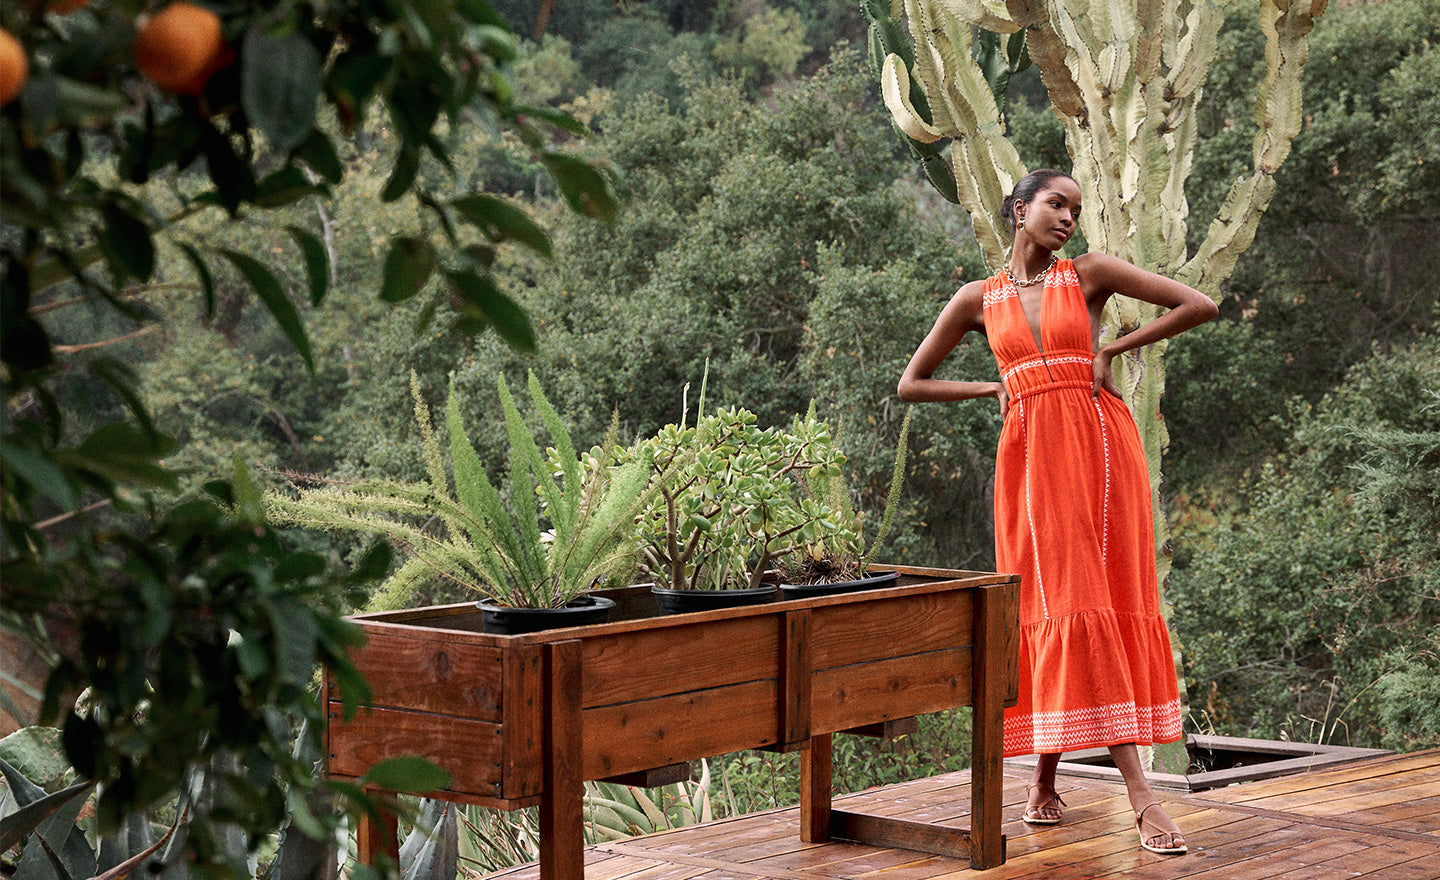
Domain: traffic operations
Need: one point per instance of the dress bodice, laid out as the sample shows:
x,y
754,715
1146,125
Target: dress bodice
x,y
1064,357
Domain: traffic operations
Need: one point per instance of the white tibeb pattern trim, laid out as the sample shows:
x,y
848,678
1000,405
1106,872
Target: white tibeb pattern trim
x,y
997,295
1071,729
1105,509
1068,275
1033,364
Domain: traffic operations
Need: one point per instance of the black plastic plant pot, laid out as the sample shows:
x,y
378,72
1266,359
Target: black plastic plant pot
x,y
506,621
685,601
809,591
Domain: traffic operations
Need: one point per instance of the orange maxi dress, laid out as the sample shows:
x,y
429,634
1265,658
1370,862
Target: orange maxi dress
x,y
1073,518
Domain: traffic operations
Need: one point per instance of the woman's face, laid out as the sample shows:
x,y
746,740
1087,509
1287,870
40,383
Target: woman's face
x,y
1051,216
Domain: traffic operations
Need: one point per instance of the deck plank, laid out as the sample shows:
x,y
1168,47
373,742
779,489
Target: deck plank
x,y
1375,820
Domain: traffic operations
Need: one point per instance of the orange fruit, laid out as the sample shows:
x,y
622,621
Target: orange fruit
x,y
176,47
14,67
196,84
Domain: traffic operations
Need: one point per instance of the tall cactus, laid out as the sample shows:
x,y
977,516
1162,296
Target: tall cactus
x,y
1125,77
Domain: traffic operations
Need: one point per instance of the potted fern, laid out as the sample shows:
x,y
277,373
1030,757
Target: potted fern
x,y
571,528
834,556
714,531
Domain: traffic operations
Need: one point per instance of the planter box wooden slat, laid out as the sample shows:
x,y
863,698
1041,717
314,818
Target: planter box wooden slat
x,y
522,719
850,634
638,736
891,689
456,677
619,667
385,733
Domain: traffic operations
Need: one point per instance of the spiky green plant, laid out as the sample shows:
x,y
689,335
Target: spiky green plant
x,y
834,546
590,510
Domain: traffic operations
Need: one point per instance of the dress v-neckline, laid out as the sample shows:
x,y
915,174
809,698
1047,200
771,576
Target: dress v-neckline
x,y
1037,334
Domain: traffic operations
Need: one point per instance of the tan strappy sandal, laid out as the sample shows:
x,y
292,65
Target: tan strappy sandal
x,y
1037,817
1172,850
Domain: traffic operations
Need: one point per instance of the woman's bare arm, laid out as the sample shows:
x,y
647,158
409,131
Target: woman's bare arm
x,y
1101,275
962,314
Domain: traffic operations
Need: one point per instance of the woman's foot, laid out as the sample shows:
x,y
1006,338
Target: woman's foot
x,y
1044,807
1158,832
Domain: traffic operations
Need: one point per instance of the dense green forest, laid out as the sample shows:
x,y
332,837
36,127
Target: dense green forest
x,y
778,242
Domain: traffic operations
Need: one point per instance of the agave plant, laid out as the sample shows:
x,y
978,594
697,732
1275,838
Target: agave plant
x,y
491,840
833,546
589,507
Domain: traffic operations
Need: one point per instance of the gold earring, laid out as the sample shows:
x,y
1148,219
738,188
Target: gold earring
x,y
1019,225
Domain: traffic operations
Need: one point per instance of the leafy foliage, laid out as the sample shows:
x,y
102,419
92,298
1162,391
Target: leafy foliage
x,y
1344,257
1279,634
834,548
197,656
767,45
193,630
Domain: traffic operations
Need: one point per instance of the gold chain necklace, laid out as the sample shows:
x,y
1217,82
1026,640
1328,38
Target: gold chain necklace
x,y
1033,281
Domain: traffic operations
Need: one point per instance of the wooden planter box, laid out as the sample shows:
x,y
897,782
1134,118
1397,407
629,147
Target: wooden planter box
x,y
523,720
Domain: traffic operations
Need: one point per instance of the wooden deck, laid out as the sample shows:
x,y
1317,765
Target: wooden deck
x,y
1378,819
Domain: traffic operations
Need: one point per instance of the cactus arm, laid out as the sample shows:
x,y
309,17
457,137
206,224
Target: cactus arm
x,y
991,15
1286,25
895,89
984,162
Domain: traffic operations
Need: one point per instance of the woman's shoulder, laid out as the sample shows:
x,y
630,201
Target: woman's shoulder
x,y
1099,264
1098,274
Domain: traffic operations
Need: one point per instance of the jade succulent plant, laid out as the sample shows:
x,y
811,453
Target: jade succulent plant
x,y
732,507
833,547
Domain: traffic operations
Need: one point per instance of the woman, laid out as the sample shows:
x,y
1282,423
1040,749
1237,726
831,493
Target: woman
x,y
1072,496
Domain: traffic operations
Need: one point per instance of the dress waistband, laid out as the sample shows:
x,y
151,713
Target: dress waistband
x,y
1049,371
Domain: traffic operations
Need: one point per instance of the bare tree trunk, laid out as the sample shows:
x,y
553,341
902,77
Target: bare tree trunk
x,y
542,19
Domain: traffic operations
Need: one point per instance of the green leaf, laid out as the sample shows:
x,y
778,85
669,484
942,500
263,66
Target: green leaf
x,y
317,152
480,12
18,825
408,268
126,240
407,774
353,80
296,633
233,177
585,189
407,166
249,499
268,288
500,219
40,472
556,117
317,262
482,304
438,19
286,186
207,281
35,752
374,565
280,79
118,451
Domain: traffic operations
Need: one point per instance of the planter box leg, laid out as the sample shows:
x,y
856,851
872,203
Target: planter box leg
x,y
996,639
562,832
816,769
376,841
